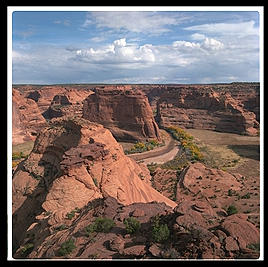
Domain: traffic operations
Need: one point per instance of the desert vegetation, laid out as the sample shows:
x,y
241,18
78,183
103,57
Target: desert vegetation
x,y
186,142
132,225
140,147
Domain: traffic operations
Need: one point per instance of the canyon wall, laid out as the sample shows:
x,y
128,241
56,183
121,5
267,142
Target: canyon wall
x,y
204,108
124,111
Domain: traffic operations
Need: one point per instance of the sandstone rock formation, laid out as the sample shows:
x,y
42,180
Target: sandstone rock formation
x,y
125,112
203,108
75,161
190,233
69,103
26,118
44,95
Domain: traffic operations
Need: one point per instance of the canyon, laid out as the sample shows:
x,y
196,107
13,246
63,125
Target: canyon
x,y
77,173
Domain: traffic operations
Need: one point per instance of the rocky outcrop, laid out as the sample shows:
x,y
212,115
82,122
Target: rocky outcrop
x,y
67,103
75,161
26,118
125,112
203,108
212,184
189,233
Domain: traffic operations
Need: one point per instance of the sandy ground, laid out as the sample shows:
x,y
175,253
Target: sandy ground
x,y
159,155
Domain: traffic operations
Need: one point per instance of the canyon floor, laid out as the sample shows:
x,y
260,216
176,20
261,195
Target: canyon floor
x,y
235,153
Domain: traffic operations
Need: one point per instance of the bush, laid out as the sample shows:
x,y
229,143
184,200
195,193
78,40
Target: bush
x,y
132,225
232,210
26,250
100,225
66,247
254,246
140,147
230,192
18,155
70,215
160,232
246,196
186,141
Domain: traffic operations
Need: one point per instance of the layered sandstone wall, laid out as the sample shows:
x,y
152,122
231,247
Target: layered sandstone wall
x,y
27,119
203,108
125,112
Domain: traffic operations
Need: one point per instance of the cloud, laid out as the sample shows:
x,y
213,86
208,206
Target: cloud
x,y
152,23
118,52
207,59
64,22
210,43
180,44
97,39
239,29
198,36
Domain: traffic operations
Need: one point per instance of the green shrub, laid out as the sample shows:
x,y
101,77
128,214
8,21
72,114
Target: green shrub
x,y
27,249
152,167
232,210
186,141
70,215
160,232
140,147
61,227
66,247
254,246
18,155
246,196
100,225
95,182
230,192
132,225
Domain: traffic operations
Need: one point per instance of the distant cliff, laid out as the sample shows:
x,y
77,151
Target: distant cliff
x,y
125,112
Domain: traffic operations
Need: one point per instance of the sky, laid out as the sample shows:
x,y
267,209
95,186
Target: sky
x,y
53,47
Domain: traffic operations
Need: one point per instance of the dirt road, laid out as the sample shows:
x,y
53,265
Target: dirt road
x,y
159,155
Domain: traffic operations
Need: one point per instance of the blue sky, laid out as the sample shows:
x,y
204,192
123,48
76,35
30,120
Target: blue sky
x,y
135,47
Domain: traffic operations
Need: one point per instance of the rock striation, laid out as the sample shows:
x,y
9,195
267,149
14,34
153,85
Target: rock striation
x,y
75,161
27,119
125,112
203,108
190,234
67,103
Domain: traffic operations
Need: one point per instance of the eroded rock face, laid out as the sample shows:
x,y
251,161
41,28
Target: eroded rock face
x,y
190,233
69,103
203,108
75,161
197,179
27,119
125,112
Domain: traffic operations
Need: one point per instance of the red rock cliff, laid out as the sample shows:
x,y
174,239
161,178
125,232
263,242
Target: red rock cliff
x,y
125,112
75,161
203,108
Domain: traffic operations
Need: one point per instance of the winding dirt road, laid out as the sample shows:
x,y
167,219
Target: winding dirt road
x,y
159,155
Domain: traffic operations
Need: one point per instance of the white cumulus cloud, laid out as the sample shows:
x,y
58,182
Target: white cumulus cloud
x,y
210,43
118,52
